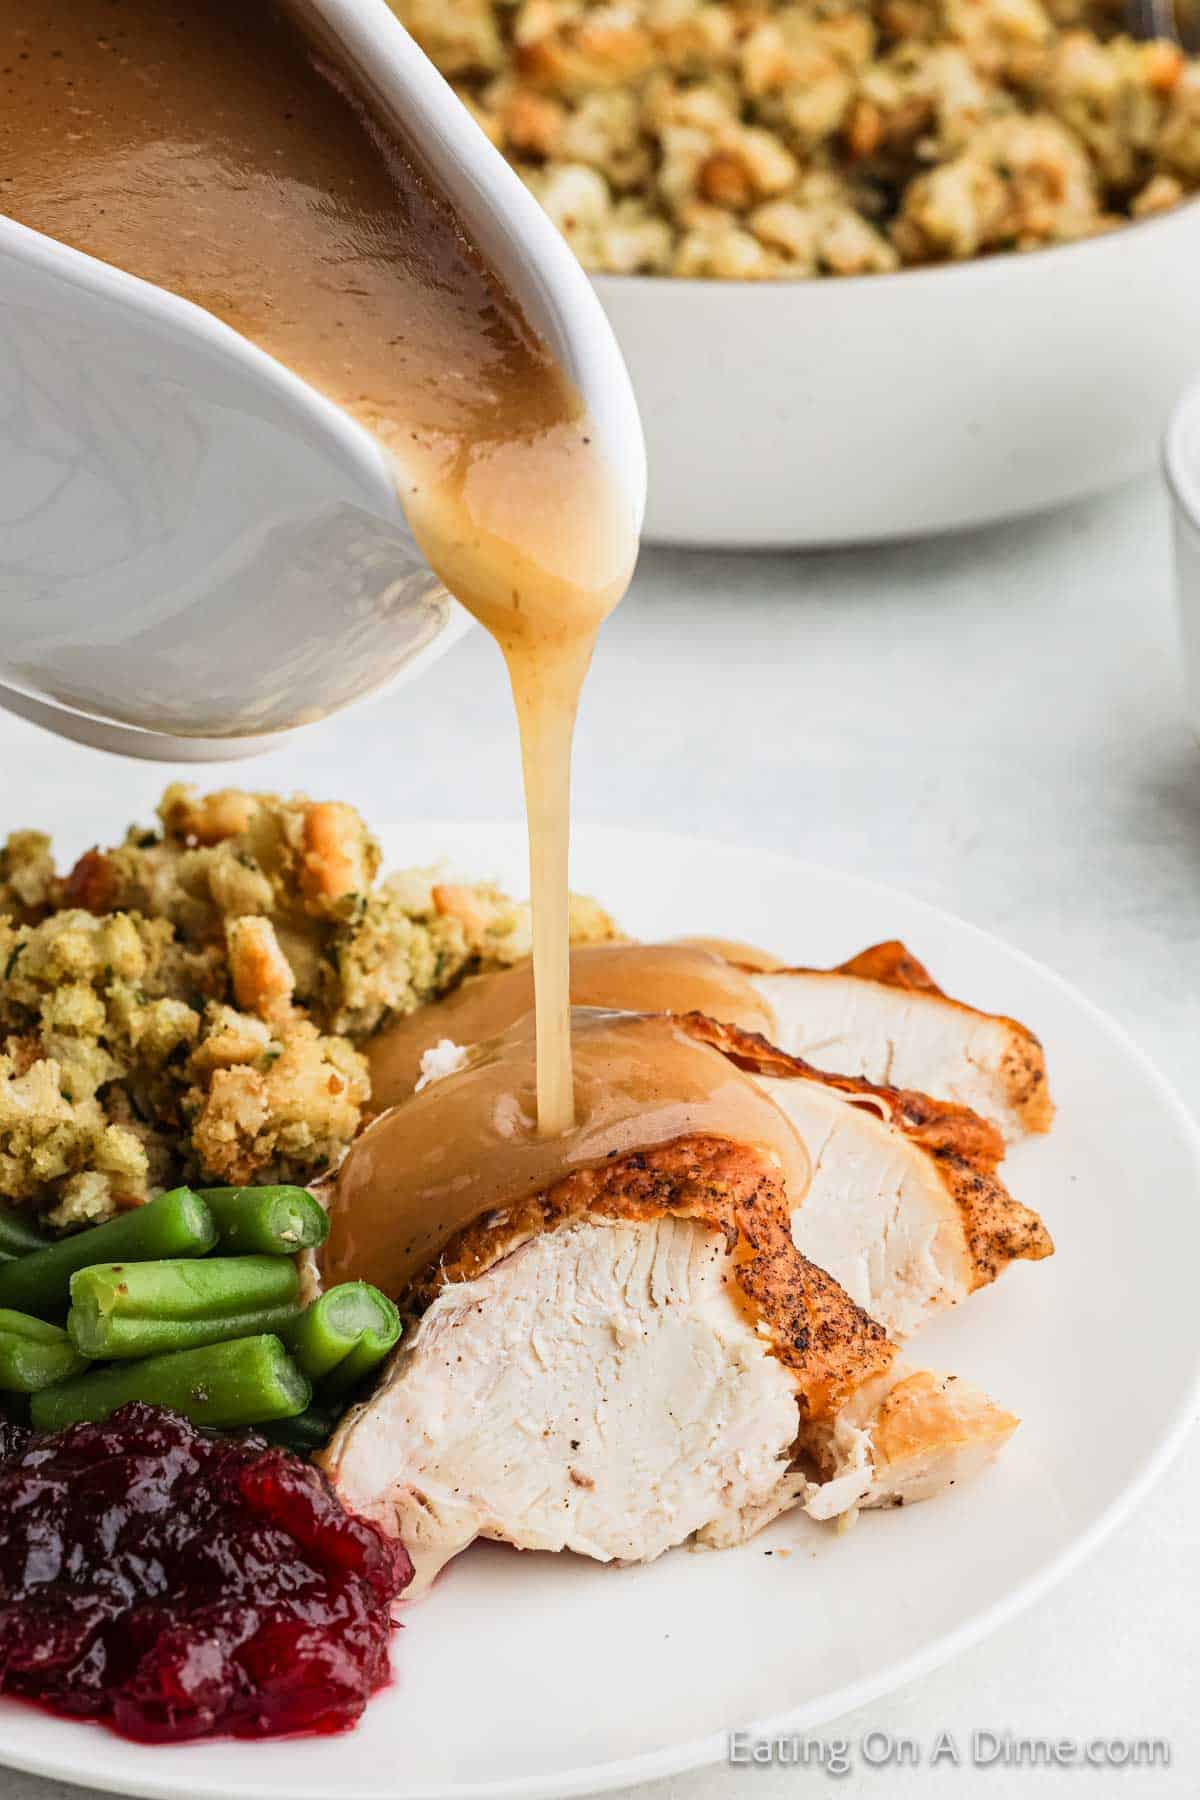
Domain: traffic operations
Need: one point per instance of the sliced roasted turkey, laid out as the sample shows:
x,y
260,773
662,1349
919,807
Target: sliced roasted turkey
x,y
882,1016
905,1209
637,1357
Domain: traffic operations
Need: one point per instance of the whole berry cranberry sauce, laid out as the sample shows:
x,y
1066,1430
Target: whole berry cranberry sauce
x,y
181,1586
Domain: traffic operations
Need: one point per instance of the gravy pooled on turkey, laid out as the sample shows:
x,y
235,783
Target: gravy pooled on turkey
x,y
468,1146
643,978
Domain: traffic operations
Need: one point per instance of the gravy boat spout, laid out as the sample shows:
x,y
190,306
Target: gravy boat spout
x,y
200,553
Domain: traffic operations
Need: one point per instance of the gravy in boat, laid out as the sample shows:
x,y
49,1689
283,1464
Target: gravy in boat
x,y
210,148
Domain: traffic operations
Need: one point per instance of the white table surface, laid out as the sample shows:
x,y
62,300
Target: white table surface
x,y
994,722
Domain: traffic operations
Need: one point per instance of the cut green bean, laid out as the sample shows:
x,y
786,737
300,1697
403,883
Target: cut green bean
x,y
184,1288
342,1336
125,1340
246,1382
17,1235
267,1221
33,1354
176,1224
145,1309
308,1431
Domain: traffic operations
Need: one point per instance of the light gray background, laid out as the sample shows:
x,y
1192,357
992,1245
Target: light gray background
x,y
994,722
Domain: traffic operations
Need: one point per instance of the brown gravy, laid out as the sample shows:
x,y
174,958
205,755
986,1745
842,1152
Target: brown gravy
x,y
201,147
747,957
207,148
652,978
469,1143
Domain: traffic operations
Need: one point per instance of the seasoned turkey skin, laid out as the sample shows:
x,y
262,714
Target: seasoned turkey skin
x,y
829,1344
882,1016
905,1209
636,1357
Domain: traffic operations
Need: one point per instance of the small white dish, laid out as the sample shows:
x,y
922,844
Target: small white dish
x,y
1181,460
534,1676
198,552
889,406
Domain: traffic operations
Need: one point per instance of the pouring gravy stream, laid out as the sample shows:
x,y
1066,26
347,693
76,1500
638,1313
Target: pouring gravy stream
x,y
219,150
208,150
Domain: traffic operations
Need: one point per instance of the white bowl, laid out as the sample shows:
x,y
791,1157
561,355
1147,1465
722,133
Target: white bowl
x,y
1181,457
887,406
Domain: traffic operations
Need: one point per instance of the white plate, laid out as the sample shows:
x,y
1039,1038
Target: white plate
x,y
550,1676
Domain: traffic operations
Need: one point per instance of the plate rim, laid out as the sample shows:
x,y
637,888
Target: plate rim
x,y
710,1749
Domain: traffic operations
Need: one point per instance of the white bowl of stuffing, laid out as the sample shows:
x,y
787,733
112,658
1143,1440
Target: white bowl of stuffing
x,y
878,267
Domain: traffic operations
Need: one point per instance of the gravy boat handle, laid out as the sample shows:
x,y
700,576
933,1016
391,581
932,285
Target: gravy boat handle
x,y
199,553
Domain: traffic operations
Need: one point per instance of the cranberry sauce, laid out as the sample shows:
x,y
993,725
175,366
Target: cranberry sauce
x,y
179,1585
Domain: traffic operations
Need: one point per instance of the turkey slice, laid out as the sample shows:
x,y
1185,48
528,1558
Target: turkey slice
x,y
904,1209
882,1016
638,1357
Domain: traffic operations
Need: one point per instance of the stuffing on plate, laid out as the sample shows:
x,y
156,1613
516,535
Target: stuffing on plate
x,y
189,1004
765,139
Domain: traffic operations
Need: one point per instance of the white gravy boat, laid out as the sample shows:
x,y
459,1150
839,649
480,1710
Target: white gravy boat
x,y
198,552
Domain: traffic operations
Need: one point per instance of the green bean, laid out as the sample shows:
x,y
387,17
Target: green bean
x,y
176,1224
245,1382
269,1221
342,1336
33,1354
145,1309
17,1235
308,1431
